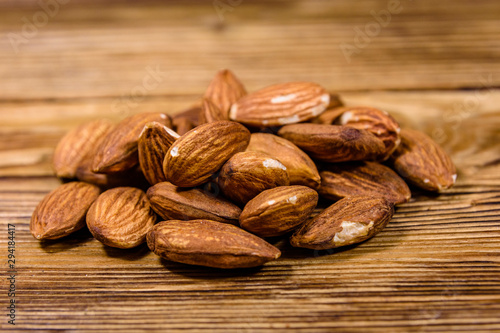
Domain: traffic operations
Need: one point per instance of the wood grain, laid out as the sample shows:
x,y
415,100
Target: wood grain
x,y
435,268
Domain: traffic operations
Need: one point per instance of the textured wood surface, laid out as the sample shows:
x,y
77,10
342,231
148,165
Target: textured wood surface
x,y
436,266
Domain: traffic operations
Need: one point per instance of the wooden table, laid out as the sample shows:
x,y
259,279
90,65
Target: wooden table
x,y
434,65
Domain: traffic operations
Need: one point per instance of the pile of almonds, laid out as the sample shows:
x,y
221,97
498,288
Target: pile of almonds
x,y
238,168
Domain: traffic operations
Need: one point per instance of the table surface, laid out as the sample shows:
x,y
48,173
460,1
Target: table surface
x,y
433,65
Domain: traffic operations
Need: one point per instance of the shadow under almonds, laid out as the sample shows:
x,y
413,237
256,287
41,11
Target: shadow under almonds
x,y
133,254
76,239
207,273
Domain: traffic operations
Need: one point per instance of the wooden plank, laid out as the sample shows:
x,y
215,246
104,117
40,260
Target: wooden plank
x,y
81,53
434,268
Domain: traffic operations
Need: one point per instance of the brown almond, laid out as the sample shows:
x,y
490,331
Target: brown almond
x,y
201,152
63,210
331,143
132,177
281,104
348,221
186,120
210,112
422,162
175,203
363,179
121,217
209,243
224,90
118,152
154,142
277,211
329,116
76,144
376,121
301,169
248,173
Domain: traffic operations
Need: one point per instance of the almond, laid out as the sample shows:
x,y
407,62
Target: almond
x,y
224,90
210,112
422,162
132,177
201,152
186,120
209,243
279,210
154,142
363,179
348,221
121,217
376,121
118,152
301,169
76,144
248,173
63,210
331,143
175,203
281,104
329,116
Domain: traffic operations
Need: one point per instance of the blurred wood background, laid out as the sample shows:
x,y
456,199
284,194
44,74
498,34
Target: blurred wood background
x,y
434,65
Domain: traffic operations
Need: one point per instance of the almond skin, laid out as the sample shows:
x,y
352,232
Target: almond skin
x,y
121,217
132,177
330,115
186,120
175,203
201,152
224,90
248,173
279,210
423,163
301,169
118,152
281,104
63,210
346,222
331,143
76,144
376,121
363,179
209,243
154,142
210,112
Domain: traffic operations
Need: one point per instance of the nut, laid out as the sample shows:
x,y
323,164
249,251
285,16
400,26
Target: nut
x,y
201,152
224,90
63,210
363,179
209,243
378,122
331,143
348,221
421,162
118,152
329,116
301,169
121,217
186,120
279,210
76,145
154,142
281,104
248,173
175,203
210,112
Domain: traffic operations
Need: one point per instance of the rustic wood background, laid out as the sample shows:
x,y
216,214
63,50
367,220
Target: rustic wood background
x,y
435,66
